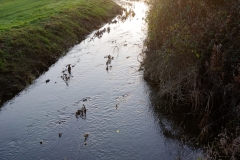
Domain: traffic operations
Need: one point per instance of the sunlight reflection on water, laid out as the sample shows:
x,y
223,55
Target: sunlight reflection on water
x,y
119,118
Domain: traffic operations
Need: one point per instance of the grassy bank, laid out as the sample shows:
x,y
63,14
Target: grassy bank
x,y
193,57
18,13
34,34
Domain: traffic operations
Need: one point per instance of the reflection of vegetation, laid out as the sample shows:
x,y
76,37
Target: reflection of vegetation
x,y
49,28
193,56
175,126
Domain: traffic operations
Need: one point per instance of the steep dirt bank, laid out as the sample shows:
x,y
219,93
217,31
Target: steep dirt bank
x,y
26,52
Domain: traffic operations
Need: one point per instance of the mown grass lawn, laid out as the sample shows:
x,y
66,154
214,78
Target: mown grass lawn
x,y
17,13
35,33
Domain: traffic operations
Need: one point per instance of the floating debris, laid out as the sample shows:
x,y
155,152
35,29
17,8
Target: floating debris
x,y
84,109
69,68
114,41
110,58
126,14
86,135
66,74
85,99
81,112
100,33
48,80
60,135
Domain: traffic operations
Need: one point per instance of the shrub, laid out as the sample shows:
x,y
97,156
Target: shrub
x,y
193,57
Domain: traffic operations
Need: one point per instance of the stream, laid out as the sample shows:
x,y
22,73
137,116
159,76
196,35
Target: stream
x,y
46,121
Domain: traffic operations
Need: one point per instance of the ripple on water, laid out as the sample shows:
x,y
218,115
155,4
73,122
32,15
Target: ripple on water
x,y
120,119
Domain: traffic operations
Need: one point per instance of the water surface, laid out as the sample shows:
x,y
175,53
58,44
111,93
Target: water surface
x,y
41,122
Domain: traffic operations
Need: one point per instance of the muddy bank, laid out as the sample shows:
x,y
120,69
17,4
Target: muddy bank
x,y
27,52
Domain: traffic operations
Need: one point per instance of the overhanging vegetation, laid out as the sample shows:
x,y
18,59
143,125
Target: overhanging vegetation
x,y
194,58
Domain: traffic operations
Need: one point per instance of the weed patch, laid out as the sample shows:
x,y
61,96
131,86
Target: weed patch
x,y
193,57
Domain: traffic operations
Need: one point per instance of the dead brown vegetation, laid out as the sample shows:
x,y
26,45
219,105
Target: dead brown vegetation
x,y
193,57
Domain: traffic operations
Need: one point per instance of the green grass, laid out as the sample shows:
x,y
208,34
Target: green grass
x,y
18,13
33,34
